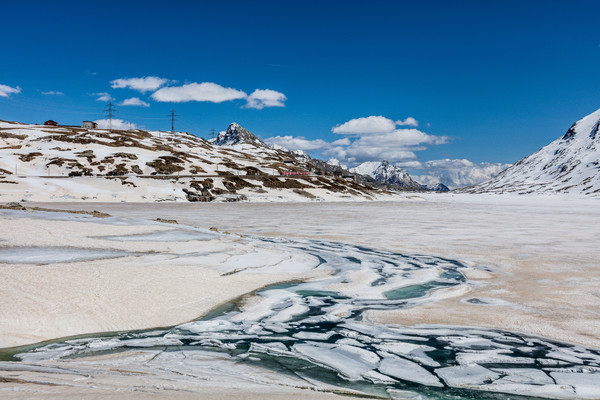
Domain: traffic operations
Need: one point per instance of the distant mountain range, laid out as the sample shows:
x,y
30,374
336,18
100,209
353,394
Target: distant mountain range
x,y
570,164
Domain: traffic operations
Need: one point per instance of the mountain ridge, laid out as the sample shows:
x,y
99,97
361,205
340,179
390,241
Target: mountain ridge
x,y
47,163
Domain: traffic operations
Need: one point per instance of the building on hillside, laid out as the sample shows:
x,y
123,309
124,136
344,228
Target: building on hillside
x,y
89,125
51,123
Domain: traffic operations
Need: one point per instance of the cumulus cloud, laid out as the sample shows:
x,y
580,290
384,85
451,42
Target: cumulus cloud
x,y
453,173
399,145
395,146
6,90
134,101
262,98
53,93
116,124
301,143
103,96
145,84
410,121
372,125
365,125
205,91
401,138
215,93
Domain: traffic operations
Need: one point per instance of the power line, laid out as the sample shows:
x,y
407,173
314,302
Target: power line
x,y
110,110
173,115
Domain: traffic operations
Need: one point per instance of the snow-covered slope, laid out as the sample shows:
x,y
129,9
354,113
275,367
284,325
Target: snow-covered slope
x,y
44,163
386,173
570,164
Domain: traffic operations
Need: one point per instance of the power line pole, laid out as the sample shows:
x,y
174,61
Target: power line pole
x,y
110,113
212,133
173,115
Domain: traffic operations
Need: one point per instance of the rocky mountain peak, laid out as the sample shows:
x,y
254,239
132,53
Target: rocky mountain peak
x,y
236,134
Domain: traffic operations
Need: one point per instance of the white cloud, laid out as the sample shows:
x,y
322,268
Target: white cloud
x,y
402,138
453,173
215,93
410,121
373,125
53,93
146,84
205,91
116,124
134,101
6,91
103,97
365,125
301,143
395,146
262,98
398,145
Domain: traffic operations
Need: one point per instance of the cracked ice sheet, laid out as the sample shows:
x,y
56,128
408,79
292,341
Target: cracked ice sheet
x,y
406,370
560,233
349,361
586,385
174,235
53,255
185,375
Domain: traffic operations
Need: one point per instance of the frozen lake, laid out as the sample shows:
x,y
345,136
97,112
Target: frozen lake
x,y
432,297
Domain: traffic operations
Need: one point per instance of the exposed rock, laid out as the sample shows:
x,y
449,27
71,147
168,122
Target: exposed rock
x,y
13,206
167,221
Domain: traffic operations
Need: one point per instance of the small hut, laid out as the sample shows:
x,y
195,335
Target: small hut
x,y
51,123
89,125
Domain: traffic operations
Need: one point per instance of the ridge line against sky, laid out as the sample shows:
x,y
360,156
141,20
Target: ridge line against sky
x,y
448,90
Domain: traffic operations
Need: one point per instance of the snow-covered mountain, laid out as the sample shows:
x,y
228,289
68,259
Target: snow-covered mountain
x,y
334,162
235,134
385,173
48,163
439,187
570,164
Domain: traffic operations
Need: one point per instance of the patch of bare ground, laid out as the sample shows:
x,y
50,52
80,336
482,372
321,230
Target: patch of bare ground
x,y
282,183
167,221
165,165
235,183
7,135
19,206
119,170
305,193
29,157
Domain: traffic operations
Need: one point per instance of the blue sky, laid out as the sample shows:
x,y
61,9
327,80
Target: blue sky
x,y
488,82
